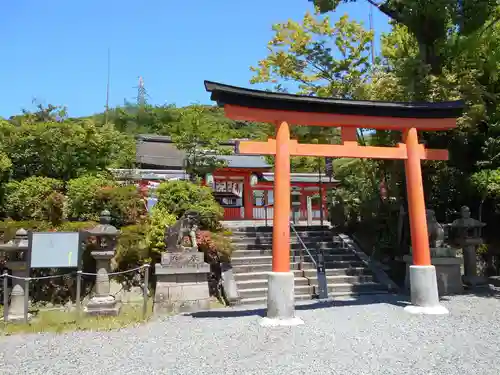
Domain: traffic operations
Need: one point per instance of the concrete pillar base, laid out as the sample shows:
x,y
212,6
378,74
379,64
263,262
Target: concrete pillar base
x,y
281,300
424,291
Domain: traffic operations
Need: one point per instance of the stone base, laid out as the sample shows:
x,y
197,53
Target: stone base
x,y
474,281
16,318
421,310
181,290
106,306
268,322
281,300
448,273
424,291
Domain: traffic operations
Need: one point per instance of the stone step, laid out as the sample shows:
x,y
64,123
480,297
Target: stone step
x,y
269,229
352,271
262,283
341,279
262,300
243,276
247,268
262,252
267,259
293,245
267,267
259,296
260,292
355,288
269,235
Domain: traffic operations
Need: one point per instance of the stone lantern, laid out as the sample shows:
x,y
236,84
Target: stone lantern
x,y
466,233
106,235
17,253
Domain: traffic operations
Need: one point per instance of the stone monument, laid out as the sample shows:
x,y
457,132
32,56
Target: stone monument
x,y
466,234
443,258
182,275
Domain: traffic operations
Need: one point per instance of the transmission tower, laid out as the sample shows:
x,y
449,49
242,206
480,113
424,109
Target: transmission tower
x,y
370,17
141,93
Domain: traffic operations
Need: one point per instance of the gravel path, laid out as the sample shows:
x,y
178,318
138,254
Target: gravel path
x,y
370,335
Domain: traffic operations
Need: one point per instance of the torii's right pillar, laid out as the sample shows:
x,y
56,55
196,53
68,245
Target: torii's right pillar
x,y
424,289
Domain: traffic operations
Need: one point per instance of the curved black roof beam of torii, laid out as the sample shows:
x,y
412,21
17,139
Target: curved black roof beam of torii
x,y
243,97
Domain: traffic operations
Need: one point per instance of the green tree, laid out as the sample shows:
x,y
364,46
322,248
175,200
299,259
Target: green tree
x,y
487,184
200,137
63,149
432,22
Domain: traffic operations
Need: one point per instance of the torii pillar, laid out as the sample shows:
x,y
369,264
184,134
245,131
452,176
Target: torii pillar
x,y
285,109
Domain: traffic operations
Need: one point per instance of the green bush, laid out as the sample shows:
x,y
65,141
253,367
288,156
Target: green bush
x,y
34,198
83,196
179,196
125,203
159,219
89,195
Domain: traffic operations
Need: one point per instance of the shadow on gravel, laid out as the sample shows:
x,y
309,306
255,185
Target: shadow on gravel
x,y
486,291
238,312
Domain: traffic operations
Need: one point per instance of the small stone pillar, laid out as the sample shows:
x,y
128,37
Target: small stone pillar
x,y
106,235
229,284
466,233
17,253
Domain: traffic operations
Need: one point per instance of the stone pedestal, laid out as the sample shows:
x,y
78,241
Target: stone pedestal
x,y
281,301
471,277
102,303
181,283
448,274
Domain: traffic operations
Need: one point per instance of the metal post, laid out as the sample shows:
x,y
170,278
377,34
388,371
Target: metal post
x,y
26,298
322,282
5,296
78,292
145,292
320,192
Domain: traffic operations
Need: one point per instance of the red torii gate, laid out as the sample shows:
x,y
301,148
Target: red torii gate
x,y
285,109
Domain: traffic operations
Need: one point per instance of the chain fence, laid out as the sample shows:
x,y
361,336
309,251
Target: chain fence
x,y
144,270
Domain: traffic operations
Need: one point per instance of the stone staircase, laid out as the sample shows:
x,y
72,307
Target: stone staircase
x,y
252,260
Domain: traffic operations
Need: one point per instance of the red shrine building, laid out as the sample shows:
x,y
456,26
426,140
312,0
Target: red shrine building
x,y
244,186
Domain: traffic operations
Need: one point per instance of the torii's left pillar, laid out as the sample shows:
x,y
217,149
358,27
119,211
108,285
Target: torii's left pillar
x,y
281,282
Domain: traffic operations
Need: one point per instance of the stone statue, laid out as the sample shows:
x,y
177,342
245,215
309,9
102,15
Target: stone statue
x,y
186,226
434,230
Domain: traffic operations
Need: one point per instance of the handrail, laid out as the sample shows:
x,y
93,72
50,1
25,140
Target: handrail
x,y
304,246
322,291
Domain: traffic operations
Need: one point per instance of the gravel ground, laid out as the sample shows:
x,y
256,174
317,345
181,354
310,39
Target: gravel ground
x,y
370,335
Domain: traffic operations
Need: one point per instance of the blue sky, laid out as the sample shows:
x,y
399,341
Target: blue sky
x,y
56,50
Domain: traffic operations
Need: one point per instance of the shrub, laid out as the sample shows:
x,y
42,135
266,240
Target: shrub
x,y
82,193
179,196
216,246
34,198
159,219
125,203
89,195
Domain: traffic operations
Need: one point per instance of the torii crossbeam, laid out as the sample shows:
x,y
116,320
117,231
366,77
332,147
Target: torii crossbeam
x,y
285,109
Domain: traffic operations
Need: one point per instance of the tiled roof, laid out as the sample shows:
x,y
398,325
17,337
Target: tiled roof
x,y
159,151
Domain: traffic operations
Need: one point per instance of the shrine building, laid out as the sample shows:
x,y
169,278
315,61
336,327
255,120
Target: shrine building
x,y
243,187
